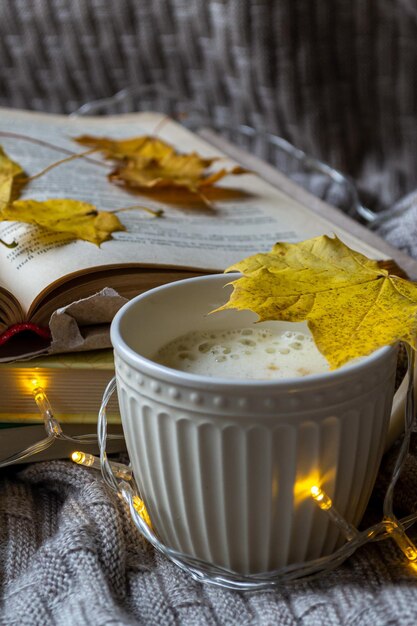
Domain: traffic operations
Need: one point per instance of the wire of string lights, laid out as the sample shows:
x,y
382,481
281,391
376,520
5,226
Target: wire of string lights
x,y
390,527
120,479
53,430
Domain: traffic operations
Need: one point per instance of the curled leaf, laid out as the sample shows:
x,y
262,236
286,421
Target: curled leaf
x,y
352,304
63,215
148,162
186,171
144,147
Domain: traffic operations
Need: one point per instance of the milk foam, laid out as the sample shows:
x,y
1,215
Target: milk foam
x,y
256,353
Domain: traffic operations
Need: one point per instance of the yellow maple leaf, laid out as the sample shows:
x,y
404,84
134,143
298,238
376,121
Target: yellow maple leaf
x,y
124,149
63,215
352,304
148,163
9,171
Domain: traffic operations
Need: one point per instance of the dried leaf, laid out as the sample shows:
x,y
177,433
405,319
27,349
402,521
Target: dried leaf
x,y
9,171
352,304
145,147
148,162
186,171
63,215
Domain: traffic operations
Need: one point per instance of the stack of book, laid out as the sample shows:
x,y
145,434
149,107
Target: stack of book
x,y
74,384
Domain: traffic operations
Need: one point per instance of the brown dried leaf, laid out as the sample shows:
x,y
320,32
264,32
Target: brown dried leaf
x,y
186,171
148,162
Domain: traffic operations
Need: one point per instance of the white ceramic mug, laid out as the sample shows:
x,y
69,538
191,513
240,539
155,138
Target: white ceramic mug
x,y
225,467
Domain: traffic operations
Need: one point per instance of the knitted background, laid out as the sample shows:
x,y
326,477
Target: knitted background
x,y
337,79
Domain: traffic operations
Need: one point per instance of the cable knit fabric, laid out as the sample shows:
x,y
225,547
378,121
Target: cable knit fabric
x,y
338,80
70,555
398,225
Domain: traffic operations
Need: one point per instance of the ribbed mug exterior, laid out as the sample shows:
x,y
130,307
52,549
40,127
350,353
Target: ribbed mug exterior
x,y
225,471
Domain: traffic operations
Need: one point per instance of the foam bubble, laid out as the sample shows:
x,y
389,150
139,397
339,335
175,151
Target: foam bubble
x,y
258,353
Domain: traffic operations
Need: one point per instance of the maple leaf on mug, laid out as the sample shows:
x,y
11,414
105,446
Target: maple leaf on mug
x,y
353,305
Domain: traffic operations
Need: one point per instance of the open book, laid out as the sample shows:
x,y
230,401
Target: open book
x,y
48,271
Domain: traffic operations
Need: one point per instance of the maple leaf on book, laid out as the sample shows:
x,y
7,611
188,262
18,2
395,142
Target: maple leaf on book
x,y
149,163
9,172
80,220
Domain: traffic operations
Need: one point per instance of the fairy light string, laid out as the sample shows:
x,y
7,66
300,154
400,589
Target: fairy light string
x,y
89,460
120,471
119,478
390,526
325,503
52,427
394,527
203,571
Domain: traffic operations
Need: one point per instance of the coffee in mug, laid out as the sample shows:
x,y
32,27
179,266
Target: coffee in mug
x,y
261,352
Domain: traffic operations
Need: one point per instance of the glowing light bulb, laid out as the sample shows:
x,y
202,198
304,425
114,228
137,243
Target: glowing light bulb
x,y
83,458
325,503
141,509
402,540
89,460
321,498
411,553
51,424
33,380
41,400
77,456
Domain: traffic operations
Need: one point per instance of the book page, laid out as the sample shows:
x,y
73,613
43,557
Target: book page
x,y
248,216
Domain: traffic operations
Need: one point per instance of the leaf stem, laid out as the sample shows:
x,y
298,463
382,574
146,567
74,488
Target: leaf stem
x,y
160,125
10,245
46,144
204,198
73,157
157,213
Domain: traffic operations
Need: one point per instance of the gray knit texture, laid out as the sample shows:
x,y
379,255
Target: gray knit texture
x,y
337,79
70,555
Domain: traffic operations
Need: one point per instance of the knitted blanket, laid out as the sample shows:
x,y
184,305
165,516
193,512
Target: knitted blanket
x,y
70,555
337,79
